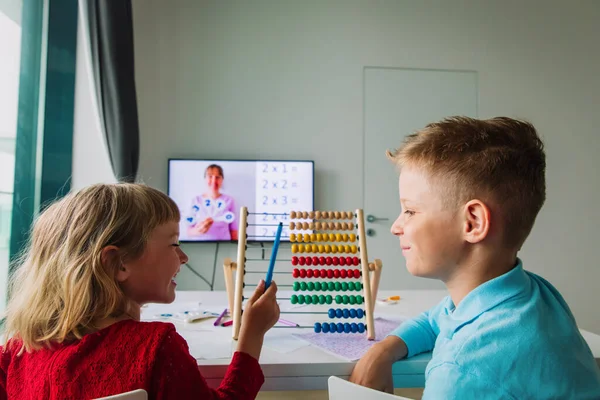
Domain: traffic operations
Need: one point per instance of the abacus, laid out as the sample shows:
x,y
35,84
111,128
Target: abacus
x,y
348,262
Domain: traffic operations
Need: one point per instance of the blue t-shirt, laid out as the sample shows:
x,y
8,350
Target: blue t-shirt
x,y
513,337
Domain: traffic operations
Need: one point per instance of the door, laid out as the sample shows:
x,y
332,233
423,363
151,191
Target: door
x,y
398,102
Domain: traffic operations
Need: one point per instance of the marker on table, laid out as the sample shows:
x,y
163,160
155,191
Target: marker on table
x,y
228,323
286,322
220,317
273,256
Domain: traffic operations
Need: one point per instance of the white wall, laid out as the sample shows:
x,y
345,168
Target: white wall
x,y
284,79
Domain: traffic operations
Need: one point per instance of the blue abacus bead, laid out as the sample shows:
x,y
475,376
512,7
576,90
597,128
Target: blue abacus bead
x,y
354,327
347,328
328,299
340,327
338,313
346,313
317,327
360,313
331,313
361,327
352,313
325,327
332,327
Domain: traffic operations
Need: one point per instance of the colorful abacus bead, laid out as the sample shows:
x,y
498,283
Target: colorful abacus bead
x,y
317,327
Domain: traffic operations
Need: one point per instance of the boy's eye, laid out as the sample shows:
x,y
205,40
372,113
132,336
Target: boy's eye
x,y
175,244
409,212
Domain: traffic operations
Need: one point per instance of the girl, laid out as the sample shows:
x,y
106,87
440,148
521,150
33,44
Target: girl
x,y
73,321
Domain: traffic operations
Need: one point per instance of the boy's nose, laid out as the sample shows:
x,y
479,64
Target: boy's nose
x,y
183,258
397,227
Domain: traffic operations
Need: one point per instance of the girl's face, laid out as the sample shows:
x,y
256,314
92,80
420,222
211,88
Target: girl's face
x,y
151,277
214,179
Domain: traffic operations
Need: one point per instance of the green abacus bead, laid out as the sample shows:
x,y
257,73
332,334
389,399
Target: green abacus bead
x,y
294,299
310,286
350,286
308,299
358,286
359,299
321,299
328,299
352,299
345,286
296,286
331,286
302,285
315,299
337,286
345,299
338,299
317,286
300,299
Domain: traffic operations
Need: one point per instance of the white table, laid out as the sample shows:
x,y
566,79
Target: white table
x,y
306,368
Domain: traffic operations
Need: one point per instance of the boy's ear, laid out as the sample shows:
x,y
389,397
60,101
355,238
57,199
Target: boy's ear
x,y
111,258
477,221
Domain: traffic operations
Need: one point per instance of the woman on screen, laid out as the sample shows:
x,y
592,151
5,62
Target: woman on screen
x,y
213,213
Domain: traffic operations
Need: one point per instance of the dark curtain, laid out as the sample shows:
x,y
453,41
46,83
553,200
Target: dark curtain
x,y
109,30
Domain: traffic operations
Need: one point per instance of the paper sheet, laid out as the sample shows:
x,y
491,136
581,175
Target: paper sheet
x,y
283,343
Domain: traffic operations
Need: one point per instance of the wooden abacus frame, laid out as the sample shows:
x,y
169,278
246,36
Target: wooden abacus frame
x,y
370,283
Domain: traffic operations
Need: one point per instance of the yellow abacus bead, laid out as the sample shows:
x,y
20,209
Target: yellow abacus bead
x,y
353,249
345,237
331,237
292,226
306,238
353,237
314,248
294,248
334,249
327,248
338,237
318,237
300,248
347,249
321,248
292,237
313,237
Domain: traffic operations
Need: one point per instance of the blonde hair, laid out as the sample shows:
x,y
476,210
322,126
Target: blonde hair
x,y
500,160
62,288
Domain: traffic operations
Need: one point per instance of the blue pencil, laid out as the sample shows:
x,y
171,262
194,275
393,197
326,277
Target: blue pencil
x,y
273,256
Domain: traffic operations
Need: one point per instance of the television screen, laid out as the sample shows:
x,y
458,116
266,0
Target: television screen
x,y
209,194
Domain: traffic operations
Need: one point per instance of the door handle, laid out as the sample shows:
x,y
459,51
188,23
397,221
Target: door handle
x,y
372,218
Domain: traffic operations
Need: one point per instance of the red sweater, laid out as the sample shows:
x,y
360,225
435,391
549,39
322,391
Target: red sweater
x,y
125,356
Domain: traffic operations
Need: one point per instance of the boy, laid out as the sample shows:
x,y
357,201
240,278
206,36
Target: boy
x,y
470,191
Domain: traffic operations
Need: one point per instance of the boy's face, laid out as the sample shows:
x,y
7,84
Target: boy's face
x,y
429,232
151,277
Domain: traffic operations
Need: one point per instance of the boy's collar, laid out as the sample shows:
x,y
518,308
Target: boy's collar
x,y
489,294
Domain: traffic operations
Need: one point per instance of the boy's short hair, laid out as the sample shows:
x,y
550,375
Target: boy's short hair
x,y
499,160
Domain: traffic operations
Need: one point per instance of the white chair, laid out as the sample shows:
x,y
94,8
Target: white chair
x,y
341,389
139,394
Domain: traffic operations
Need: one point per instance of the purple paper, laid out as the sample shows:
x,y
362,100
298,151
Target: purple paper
x,y
350,346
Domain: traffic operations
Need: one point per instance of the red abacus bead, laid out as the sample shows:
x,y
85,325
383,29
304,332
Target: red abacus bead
x,y
348,260
301,261
330,273
309,273
302,273
342,261
295,273
308,261
323,273
336,273
321,260
316,273
336,261
357,273
315,260
355,260
294,260
343,273
328,261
